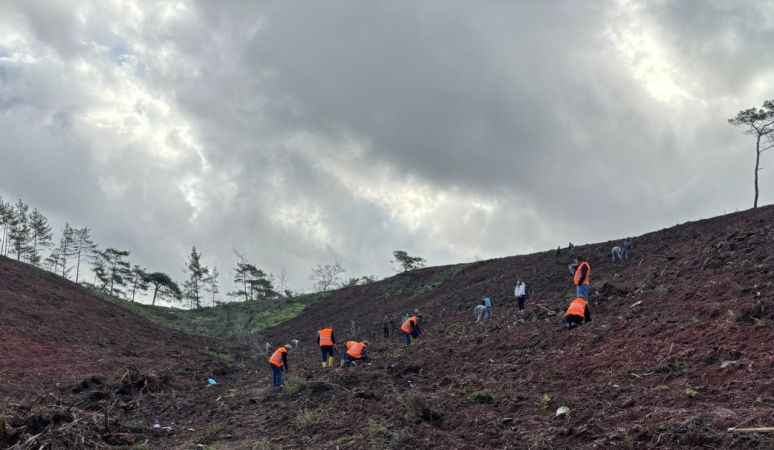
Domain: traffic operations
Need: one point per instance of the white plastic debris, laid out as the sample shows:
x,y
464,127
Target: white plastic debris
x,y
562,411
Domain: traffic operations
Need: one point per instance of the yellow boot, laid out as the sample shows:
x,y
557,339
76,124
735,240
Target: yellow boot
x,y
330,361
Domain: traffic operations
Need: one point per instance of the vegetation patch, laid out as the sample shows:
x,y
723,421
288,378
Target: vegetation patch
x,y
226,320
308,418
483,396
294,385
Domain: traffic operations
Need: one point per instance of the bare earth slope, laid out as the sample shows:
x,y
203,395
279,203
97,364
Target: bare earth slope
x,y
55,335
679,351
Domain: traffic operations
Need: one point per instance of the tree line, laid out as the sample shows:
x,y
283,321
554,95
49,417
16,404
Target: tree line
x,y
27,236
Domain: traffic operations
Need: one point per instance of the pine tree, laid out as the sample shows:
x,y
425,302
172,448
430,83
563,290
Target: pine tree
x,y
197,274
213,284
64,251
163,286
138,279
112,270
20,231
82,248
252,283
99,267
53,261
40,236
6,218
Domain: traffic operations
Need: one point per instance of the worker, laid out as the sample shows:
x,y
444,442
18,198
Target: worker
x,y
327,340
410,329
279,364
520,292
479,311
577,313
356,351
582,278
488,311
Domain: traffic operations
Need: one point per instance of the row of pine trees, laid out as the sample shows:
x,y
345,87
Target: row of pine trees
x,y
27,236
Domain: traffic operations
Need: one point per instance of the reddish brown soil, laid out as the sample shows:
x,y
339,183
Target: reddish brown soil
x,y
674,371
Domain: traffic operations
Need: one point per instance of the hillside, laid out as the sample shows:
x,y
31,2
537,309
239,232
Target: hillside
x,y
677,353
226,320
54,333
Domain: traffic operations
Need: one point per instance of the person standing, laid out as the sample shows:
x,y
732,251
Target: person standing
x,y
387,325
520,291
327,340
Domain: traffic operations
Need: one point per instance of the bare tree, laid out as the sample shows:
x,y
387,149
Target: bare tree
x,y
326,276
758,122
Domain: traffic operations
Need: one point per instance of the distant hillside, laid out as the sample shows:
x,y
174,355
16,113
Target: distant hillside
x,y
52,330
226,320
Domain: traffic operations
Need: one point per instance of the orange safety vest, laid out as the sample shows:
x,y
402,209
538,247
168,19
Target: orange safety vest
x,y
409,324
355,349
276,357
577,308
326,337
576,278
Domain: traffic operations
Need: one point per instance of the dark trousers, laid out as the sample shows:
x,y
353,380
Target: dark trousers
x,y
277,373
325,352
573,321
521,301
407,337
350,361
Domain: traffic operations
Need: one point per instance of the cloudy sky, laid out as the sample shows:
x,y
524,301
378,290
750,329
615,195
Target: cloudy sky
x,y
306,132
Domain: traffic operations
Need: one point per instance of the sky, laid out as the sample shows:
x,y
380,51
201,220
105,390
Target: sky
x,y
301,133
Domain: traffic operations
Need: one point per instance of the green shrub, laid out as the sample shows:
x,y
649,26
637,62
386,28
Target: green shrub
x,y
484,396
308,418
294,385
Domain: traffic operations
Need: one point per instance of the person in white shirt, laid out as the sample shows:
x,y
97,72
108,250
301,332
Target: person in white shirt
x,y
520,291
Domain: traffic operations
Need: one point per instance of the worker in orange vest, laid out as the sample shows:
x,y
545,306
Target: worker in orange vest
x,y
327,340
577,313
410,328
356,351
279,364
582,278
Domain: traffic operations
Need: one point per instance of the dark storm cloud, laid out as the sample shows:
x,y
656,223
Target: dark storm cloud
x,y
302,133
